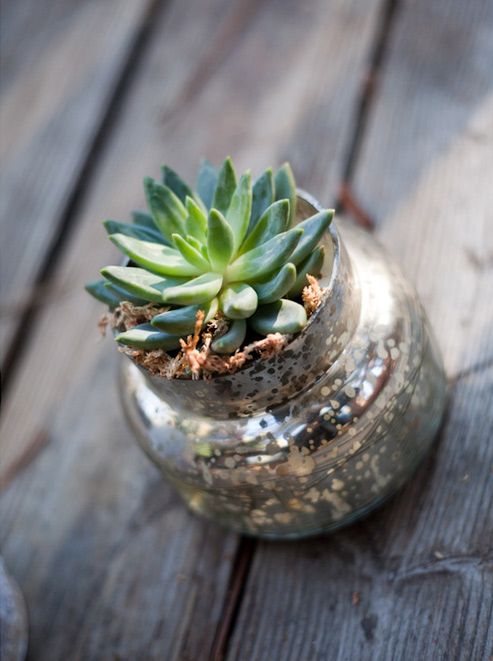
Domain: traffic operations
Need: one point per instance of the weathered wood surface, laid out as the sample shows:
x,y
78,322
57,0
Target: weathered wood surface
x,y
111,564
61,62
424,171
415,580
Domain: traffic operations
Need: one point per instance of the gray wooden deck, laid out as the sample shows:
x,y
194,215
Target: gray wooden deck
x,y
384,107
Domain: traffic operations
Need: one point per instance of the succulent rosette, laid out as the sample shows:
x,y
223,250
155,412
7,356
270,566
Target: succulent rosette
x,y
228,248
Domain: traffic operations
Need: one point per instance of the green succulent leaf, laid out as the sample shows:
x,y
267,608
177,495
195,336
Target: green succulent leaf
x,y
226,185
232,339
198,290
278,286
137,231
173,181
220,240
194,242
144,219
238,301
282,316
155,257
238,214
311,265
262,196
181,321
190,253
313,230
123,295
285,187
226,247
273,222
98,290
207,182
111,294
196,222
268,257
146,336
140,282
167,210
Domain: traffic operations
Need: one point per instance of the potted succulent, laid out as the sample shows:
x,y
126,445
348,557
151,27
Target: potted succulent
x,y
285,384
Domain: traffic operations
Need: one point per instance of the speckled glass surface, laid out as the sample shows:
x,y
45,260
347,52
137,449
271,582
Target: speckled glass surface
x,y
319,435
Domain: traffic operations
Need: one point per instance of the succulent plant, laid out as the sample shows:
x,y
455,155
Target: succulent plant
x,y
228,247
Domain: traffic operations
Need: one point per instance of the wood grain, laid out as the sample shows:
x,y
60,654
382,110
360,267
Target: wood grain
x,y
424,171
111,564
61,62
415,579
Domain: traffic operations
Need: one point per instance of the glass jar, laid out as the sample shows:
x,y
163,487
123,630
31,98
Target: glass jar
x,y
318,435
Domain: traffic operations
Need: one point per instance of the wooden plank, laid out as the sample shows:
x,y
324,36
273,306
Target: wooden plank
x,y
110,539
61,62
415,579
412,581
424,171
111,563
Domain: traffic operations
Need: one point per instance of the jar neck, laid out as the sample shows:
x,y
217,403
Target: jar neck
x,y
266,384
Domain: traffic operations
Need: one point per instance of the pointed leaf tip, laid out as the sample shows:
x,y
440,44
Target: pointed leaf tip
x,y
98,290
196,222
207,182
225,187
238,214
166,208
220,240
173,181
135,230
313,230
272,222
285,188
262,197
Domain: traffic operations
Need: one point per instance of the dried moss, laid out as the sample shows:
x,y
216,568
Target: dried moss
x,y
312,295
195,358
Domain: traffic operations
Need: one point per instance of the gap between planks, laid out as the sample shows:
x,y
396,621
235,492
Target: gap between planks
x,y
345,202
31,306
369,85
240,571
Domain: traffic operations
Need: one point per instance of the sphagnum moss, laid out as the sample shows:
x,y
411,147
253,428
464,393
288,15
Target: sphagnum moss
x,y
228,248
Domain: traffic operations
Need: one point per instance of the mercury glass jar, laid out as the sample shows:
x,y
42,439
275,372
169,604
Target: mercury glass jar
x,y
318,435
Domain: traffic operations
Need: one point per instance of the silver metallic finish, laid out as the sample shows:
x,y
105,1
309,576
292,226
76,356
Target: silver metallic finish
x,y
317,436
